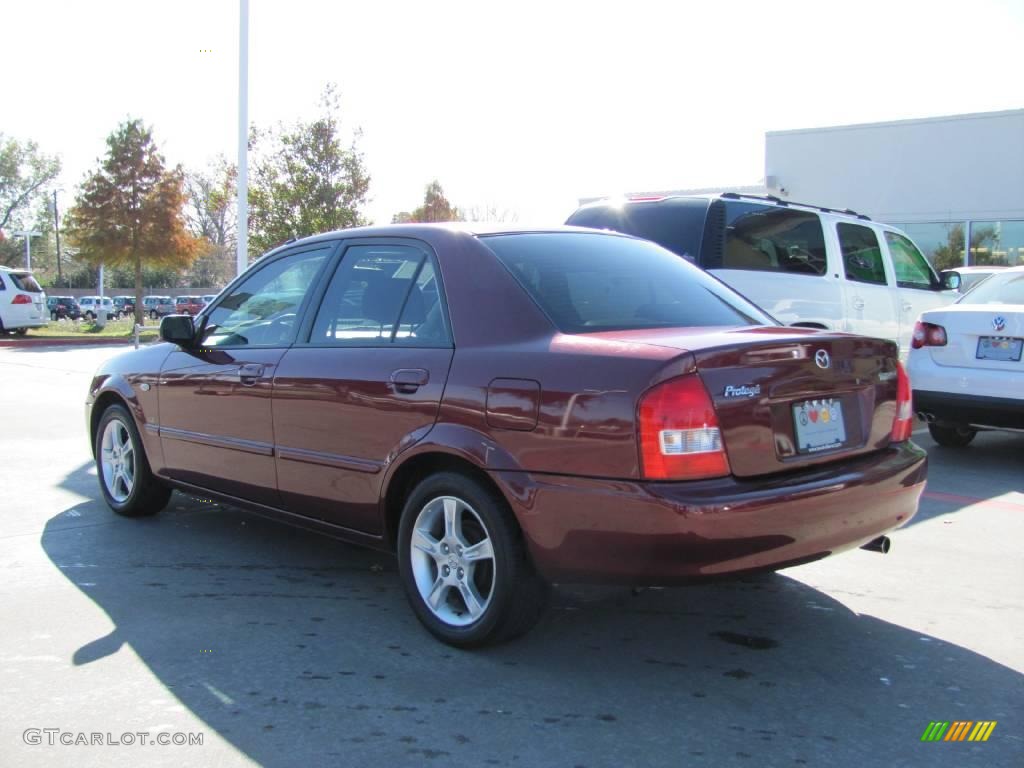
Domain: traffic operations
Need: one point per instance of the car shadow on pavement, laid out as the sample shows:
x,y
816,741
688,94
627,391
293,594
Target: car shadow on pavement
x,y
300,650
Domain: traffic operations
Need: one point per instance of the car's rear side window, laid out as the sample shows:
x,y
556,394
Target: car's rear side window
x,y
862,256
25,282
381,295
768,238
592,282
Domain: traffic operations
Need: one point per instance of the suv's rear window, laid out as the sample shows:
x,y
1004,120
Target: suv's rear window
x,y
592,282
676,223
25,282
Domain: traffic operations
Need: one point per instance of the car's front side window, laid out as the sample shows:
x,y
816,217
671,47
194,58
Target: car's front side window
x,y
911,268
263,309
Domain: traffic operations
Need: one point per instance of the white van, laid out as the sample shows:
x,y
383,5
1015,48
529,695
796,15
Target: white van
x,y
808,266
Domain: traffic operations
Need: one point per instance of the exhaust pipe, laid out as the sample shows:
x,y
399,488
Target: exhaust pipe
x,y
881,545
926,417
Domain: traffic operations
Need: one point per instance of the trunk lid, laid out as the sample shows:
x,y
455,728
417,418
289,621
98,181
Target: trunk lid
x,y
1001,326
788,397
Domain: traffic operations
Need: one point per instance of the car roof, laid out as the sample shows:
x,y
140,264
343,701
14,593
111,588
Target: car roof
x,y
435,234
768,200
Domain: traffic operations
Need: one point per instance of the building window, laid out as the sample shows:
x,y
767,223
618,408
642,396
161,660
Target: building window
x,y
941,242
999,243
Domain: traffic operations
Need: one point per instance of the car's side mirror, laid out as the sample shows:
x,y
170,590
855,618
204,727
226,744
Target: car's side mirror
x,y
950,280
178,329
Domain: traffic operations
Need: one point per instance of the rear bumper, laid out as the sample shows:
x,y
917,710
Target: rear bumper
x,y
607,531
970,410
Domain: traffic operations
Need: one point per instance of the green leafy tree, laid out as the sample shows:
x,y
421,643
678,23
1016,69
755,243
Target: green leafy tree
x,y
305,180
25,174
436,207
129,212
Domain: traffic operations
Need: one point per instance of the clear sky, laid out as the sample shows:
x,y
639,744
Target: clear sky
x,y
528,105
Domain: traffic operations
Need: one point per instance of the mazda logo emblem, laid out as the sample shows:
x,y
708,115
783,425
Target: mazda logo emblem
x,y
999,322
822,359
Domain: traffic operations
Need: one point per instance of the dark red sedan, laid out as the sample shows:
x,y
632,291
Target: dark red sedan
x,y
509,409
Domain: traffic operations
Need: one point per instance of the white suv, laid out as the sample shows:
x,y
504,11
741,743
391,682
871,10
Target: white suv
x,y
807,266
22,302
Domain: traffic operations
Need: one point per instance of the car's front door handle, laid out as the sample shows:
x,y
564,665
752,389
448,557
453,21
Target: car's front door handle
x,y
858,303
908,307
408,380
250,373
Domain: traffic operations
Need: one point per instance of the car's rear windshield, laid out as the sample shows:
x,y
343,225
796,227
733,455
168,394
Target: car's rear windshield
x,y
1005,288
587,283
25,282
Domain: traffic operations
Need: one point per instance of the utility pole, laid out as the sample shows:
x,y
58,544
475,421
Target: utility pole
x,y
56,231
242,256
28,234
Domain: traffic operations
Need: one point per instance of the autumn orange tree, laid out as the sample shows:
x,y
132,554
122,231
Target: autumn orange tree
x,y
129,212
436,207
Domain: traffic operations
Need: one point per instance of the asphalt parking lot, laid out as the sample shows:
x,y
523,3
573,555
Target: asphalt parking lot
x,y
284,648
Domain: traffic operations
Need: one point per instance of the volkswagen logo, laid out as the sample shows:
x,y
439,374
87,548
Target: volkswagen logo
x,y
999,322
822,359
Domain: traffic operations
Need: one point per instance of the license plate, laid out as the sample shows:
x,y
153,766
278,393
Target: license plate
x,y
999,348
819,425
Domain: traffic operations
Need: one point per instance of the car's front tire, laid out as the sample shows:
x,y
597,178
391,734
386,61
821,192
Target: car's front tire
x,y
129,486
464,564
950,436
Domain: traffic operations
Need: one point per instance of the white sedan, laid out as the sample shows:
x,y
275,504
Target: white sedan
x,y
965,361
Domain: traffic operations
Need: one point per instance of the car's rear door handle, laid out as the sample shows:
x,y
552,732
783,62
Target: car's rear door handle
x,y
908,307
250,373
408,380
858,303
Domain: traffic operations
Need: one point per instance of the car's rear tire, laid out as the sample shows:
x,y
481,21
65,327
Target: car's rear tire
x,y
128,485
21,331
951,436
464,564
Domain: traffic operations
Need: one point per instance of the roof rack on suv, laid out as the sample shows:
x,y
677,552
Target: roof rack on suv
x,y
779,201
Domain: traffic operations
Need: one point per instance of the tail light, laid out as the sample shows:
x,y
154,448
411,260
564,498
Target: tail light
x,y
903,424
679,434
22,298
928,335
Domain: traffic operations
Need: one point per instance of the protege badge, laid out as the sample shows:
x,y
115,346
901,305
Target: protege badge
x,y
732,391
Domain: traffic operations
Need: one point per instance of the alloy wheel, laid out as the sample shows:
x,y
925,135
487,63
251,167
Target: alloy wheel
x,y
452,561
117,460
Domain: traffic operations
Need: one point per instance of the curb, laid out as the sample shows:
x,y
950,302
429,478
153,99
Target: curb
x,y
62,341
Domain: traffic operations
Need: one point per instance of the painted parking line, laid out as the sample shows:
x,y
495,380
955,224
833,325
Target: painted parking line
x,y
955,498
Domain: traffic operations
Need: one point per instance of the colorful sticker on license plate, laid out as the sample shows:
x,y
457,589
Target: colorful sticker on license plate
x,y
819,425
999,348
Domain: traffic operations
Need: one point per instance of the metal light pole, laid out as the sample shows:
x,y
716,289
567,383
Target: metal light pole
x,y
242,256
28,234
56,232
